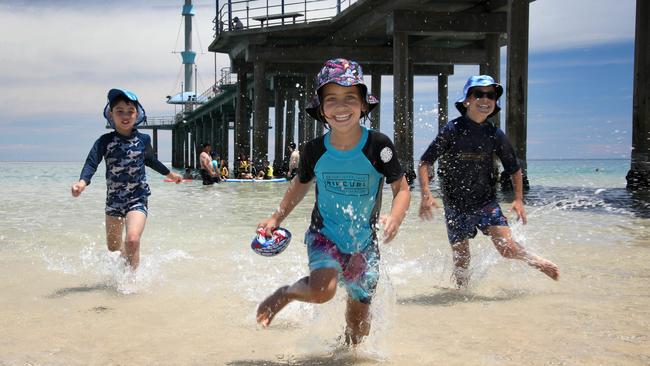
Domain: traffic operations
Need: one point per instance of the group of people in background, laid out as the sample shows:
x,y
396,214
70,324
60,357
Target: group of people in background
x,y
349,165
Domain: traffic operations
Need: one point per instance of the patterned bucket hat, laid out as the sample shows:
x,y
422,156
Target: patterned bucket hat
x,y
113,93
479,80
342,72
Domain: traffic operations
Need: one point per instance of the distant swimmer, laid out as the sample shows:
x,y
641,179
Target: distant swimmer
x,y
342,243
126,153
464,148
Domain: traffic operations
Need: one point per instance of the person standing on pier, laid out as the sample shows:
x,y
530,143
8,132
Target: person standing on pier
x,y
464,149
126,153
349,164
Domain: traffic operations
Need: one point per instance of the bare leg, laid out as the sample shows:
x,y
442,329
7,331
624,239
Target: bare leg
x,y
114,228
318,287
135,221
461,258
357,316
502,239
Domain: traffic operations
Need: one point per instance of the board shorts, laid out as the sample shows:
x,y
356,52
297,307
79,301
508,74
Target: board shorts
x,y
120,209
208,179
462,225
358,272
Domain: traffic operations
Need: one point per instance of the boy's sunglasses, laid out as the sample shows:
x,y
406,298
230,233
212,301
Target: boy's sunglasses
x,y
478,94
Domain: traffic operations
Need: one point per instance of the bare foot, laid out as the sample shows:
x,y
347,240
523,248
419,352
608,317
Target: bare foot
x,y
272,305
461,276
547,267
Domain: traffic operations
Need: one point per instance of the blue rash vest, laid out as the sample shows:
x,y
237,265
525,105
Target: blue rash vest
x,y
126,158
466,170
349,186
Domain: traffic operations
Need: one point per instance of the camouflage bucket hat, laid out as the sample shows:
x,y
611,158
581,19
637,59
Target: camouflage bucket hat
x,y
342,72
479,80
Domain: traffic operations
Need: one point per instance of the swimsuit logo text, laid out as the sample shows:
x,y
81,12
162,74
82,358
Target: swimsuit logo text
x,y
346,184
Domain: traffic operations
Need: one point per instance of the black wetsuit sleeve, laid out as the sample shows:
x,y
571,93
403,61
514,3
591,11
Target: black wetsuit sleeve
x,y
94,158
150,159
506,153
439,145
381,153
309,155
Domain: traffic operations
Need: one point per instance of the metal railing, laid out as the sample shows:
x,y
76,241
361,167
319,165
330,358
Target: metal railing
x,y
260,13
216,89
161,121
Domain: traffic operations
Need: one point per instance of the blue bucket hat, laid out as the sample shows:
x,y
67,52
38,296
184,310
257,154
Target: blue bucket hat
x,y
342,72
113,93
479,80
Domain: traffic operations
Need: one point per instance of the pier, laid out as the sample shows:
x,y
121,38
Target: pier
x,y
275,51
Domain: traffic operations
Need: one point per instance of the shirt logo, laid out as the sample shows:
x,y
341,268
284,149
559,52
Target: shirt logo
x,y
386,154
347,184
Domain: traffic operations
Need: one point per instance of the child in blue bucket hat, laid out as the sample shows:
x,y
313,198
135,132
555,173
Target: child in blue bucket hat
x,y
126,153
465,148
349,165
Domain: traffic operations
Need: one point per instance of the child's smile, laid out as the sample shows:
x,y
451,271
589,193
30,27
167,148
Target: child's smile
x,y
124,117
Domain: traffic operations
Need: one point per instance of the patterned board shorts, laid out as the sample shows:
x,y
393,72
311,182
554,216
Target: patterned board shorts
x,y
358,272
120,209
462,225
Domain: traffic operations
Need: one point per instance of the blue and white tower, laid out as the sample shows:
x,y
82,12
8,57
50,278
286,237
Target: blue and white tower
x,y
188,55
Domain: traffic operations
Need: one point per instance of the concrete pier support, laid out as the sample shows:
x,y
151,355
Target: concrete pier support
x,y
290,120
638,178
242,123
401,99
260,116
517,88
302,132
279,94
443,100
310,123
375,115
492,66
155,142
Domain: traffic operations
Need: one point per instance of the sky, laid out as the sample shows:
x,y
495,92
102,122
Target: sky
x,y
59,58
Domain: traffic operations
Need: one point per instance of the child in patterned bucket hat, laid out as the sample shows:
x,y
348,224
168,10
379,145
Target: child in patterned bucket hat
x,y
344,73
349,165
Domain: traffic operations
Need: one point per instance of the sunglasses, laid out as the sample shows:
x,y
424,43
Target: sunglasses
x,y
478,94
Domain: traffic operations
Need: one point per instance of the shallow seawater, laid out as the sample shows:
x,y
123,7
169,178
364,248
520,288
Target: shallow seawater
x,y
68,301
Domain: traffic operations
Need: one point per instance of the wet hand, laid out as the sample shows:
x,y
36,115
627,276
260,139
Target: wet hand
x,y
77,188
391,226
427,204
518,208
267,226
176,178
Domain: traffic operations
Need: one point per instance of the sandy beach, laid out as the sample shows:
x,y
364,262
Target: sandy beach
x,y
68,301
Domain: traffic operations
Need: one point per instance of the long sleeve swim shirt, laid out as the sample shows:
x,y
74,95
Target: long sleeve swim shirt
x,y
464,150
126,158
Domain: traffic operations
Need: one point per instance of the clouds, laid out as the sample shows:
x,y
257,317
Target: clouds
x,y
69,57
59,58
561,24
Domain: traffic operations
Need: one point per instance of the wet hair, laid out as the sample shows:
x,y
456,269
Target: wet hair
x,y
122,98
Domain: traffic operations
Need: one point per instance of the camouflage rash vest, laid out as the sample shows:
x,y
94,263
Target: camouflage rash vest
x,y
126,158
